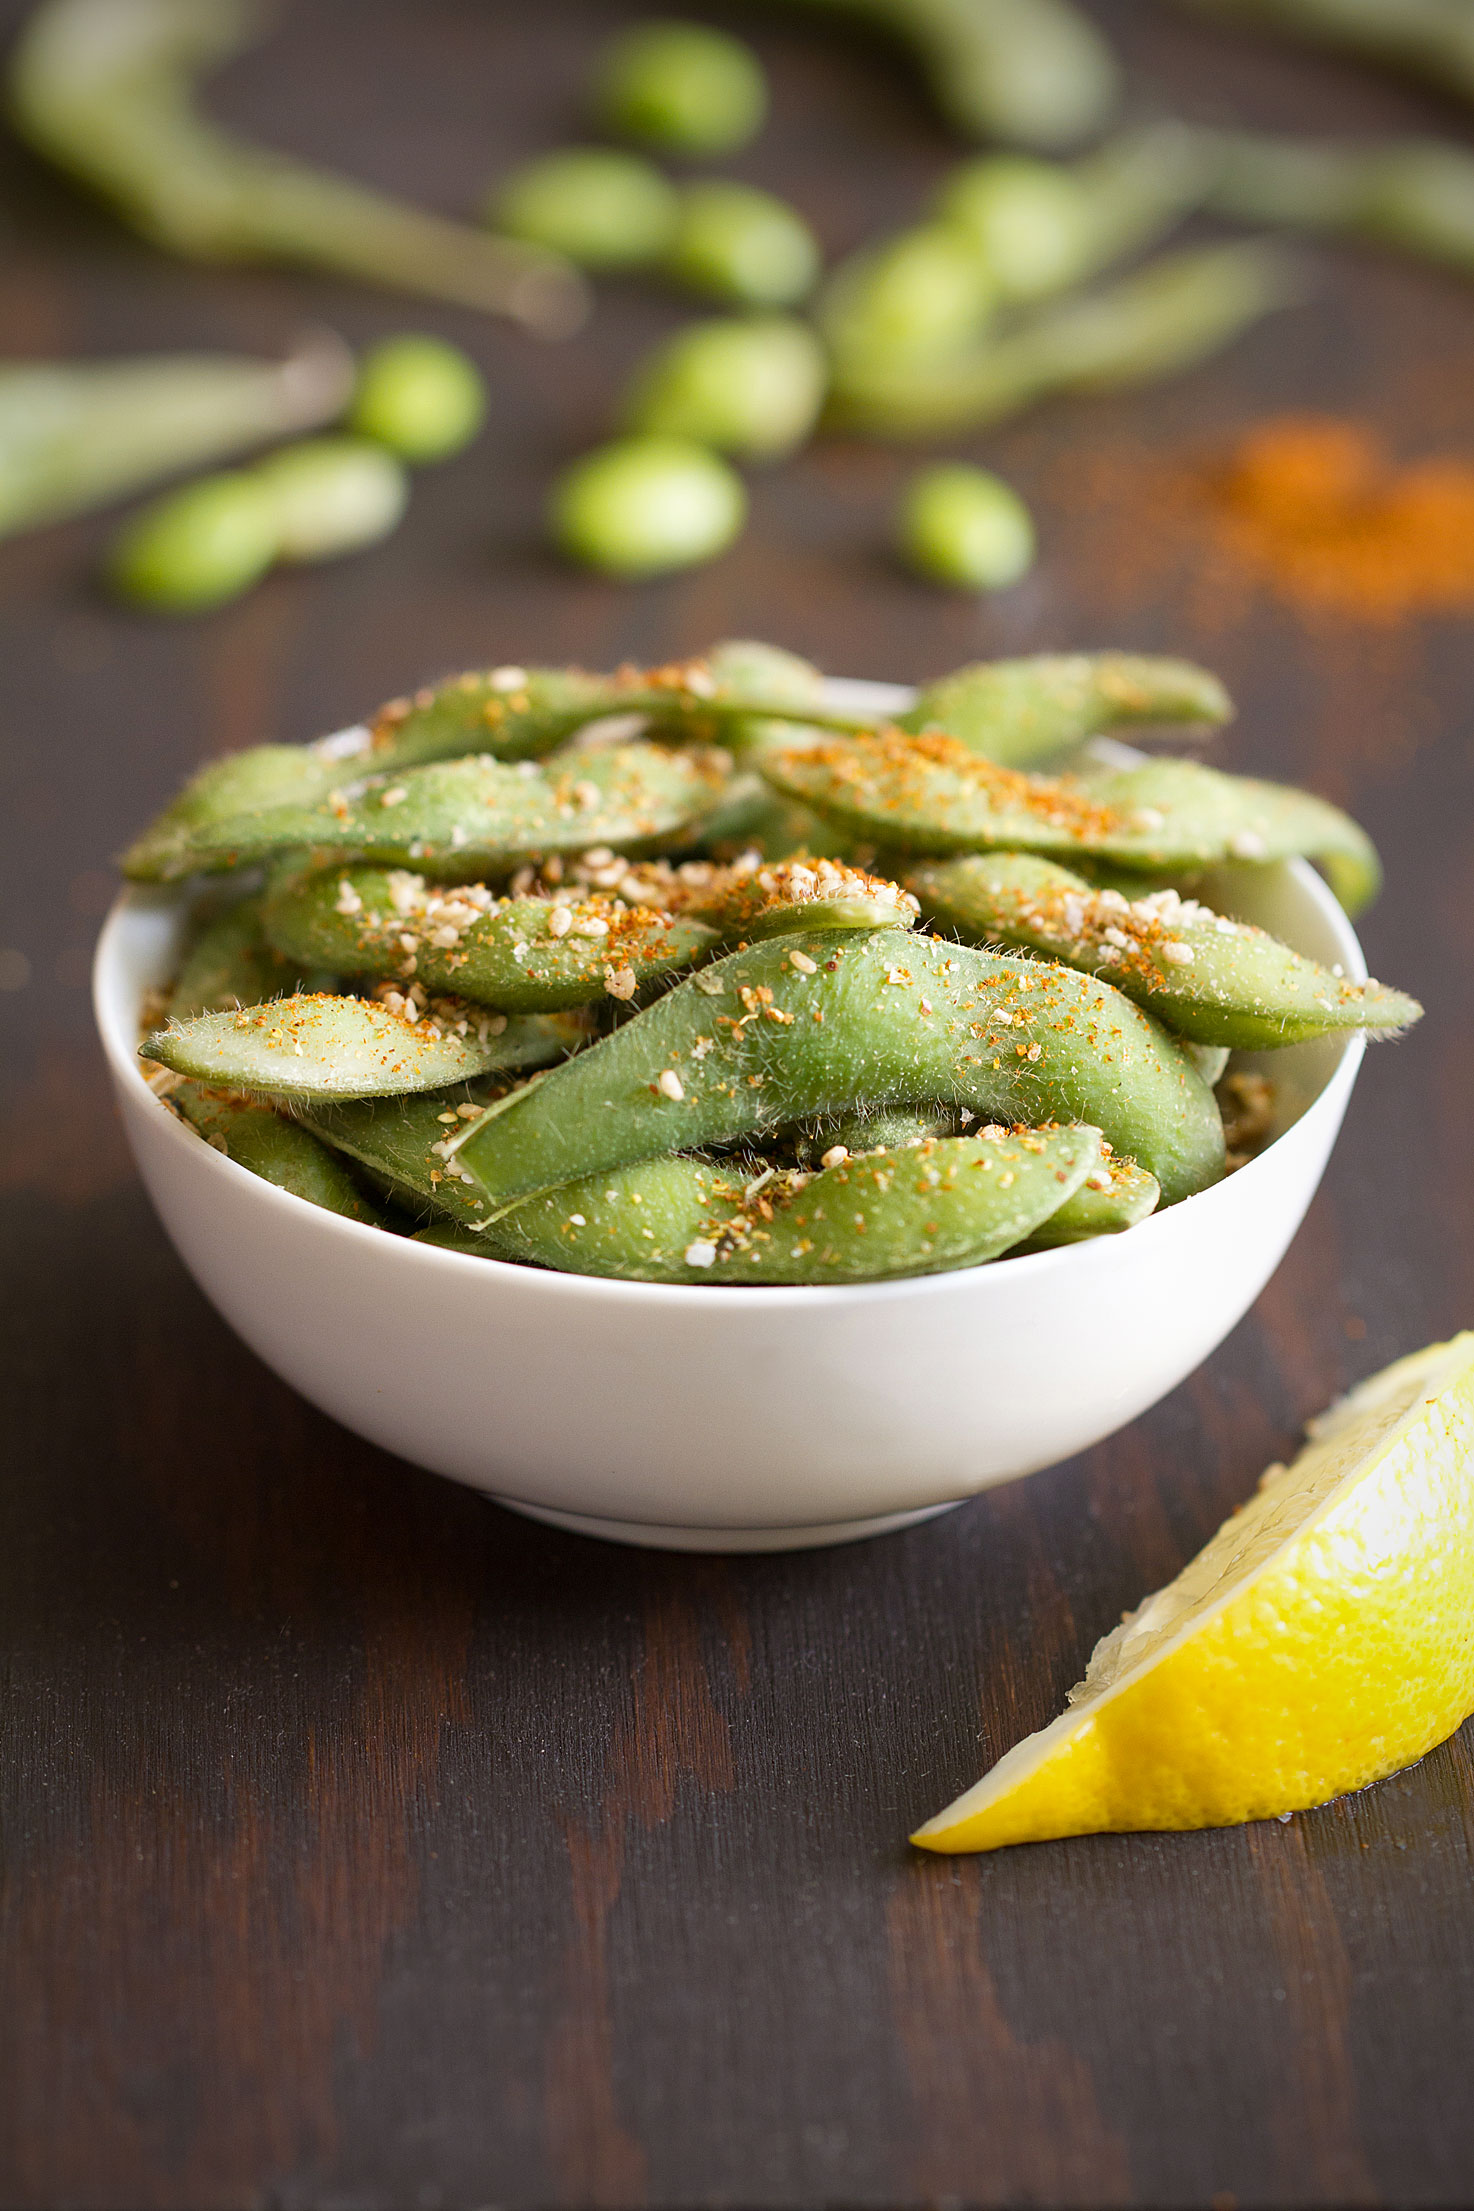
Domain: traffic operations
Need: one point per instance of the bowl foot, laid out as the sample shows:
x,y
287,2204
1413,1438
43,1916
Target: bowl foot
x,y
654,1537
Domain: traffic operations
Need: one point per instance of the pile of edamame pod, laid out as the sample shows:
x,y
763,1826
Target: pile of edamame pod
x,y
684,975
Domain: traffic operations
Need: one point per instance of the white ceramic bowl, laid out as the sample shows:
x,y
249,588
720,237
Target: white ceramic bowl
x,y
731,1419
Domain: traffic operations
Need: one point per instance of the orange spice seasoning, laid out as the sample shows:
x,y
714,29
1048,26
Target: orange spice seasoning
x,y
1317,508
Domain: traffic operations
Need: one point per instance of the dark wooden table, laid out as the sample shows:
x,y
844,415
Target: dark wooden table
x,y
365,1845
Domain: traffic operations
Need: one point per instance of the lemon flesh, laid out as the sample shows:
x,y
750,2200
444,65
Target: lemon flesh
x,y
1322,1640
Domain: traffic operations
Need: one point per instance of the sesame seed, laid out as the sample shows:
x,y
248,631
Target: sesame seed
x,y
394,796
836,1156
670,1086
803,963
560,921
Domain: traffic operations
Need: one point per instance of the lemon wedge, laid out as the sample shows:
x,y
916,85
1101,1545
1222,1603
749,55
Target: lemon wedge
x,y
1322,1640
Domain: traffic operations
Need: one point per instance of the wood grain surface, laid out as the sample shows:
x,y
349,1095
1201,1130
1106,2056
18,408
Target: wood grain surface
x,y
364,1845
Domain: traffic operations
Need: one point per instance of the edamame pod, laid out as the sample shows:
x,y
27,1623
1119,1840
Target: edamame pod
x,y
930,794
230,964
749,899
1167,316
1413,194
1042,226
524,955
264,1141
507,713
314,1046
403,1142
1218,981
947,1203
463,817
1028,72
1020,711
812,1024
1115,1195
107,90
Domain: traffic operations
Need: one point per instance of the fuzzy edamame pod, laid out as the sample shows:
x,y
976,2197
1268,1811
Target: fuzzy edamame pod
x,y
504,713
1217,981
1020,711
402,1143
524,955
1042,226
946,1203
269,1145
318,1047
748,899
811,1024
1114,1196
929,793
1160,319
468,816
1028,72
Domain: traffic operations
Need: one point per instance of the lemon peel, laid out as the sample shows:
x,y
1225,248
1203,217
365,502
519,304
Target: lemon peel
x,y
1322,1640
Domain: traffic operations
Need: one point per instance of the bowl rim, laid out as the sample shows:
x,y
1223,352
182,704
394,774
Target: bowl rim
x,y
127,1073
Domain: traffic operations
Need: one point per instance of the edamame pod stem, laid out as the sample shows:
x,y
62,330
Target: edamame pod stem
x,y
314,1047
946,1203
1114,1196
1027,72
930,794
1168,316
1431,39
524,955
267,1144
403,1142
106,89
1217,981
76,434
503,713
461,817
1020,711
231,964
812,1024
1413,194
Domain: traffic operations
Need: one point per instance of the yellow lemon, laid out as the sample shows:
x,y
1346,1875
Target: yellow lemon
x,y
1323,1639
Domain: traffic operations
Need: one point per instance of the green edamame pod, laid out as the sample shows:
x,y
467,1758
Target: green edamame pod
x,y
1414,194
1028,72
930,794
1043,226
314,1046
508,713
402,1143
524,955
107,89
230,964
1167,316
464,817
759,1039
821,1143
1115,1195
1218,981
264,1141
922,293
947,1203
1020,711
